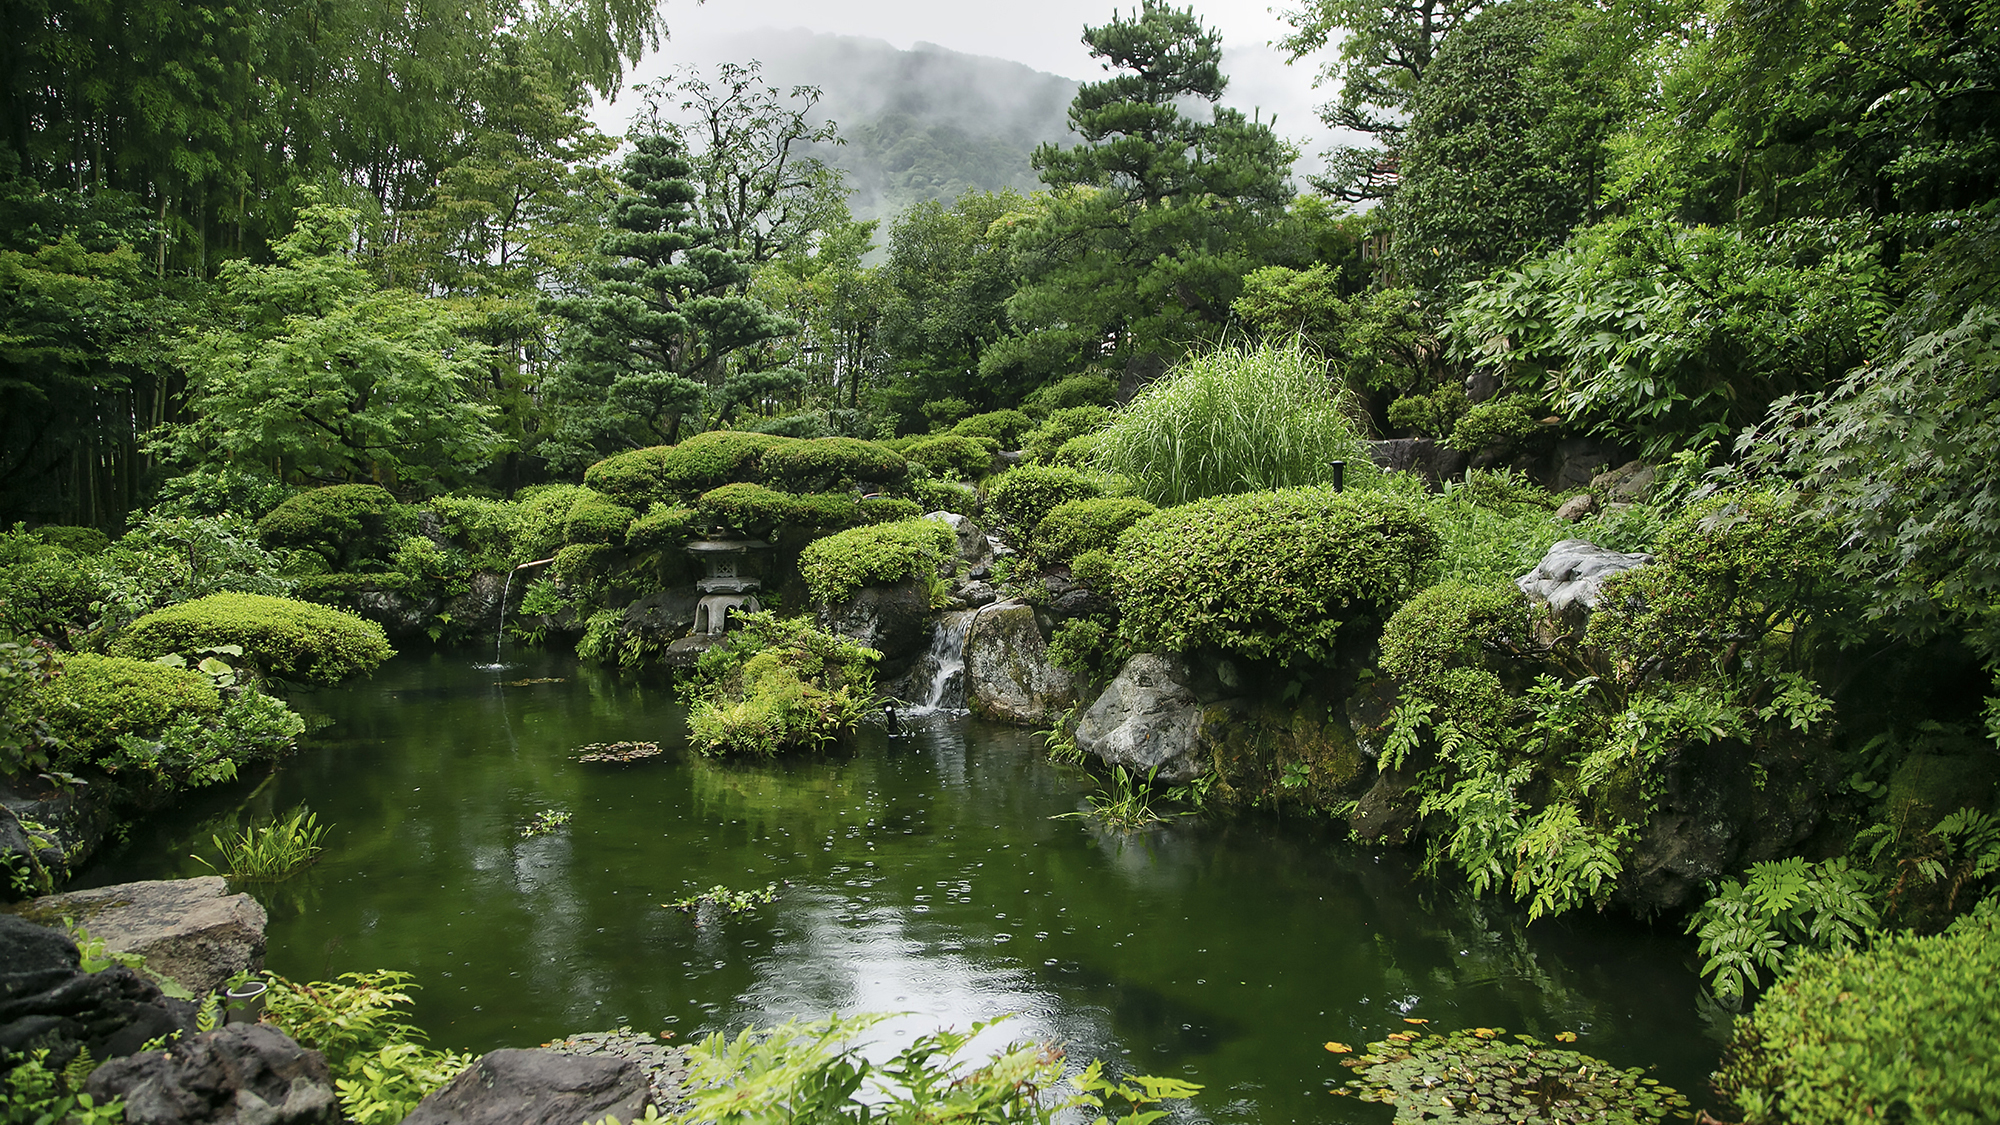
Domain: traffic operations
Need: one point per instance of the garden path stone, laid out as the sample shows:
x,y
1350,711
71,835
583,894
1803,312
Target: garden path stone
x,y
539,1087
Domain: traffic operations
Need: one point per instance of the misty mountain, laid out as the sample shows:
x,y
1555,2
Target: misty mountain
x,y
927,123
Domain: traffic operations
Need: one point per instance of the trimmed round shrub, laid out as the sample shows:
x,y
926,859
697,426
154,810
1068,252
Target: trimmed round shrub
x,y
286,638
343,522
1903,1031
1236,420
1268,575
953,457
94,699
1497,421
887,509
943,496
1086,525
594,518
1026,493
48,595
664,472
755,510
664,527
876,555
1096,569
1449,625
1044,440
1079,452
808,424
829,464
1088,389
539,519
1003,426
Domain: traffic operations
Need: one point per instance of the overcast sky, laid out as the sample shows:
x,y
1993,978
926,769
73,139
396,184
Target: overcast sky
x,y
1045,34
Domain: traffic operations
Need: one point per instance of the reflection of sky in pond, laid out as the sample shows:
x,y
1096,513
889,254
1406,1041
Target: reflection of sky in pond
x,y
921,875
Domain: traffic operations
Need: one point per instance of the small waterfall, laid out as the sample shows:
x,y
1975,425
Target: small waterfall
x,y
500,626
940,671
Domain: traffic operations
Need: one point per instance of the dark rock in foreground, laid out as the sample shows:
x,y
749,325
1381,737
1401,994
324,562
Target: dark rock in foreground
x,y
516,1087
245,1074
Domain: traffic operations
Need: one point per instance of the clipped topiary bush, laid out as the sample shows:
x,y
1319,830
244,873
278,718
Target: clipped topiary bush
x,y
1269,575
1903,1031
944,496
666,472
93,699
1087,525
755,510
1497,421
664,527
1079,452
1095,569
953,457
291,639
830,464
1088,389
539,517
1042,442
841,563
595,518
1003,426
1026,493
887,509
343,522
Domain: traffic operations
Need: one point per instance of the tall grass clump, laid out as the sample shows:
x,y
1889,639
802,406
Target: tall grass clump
x,y
1243,419
270,852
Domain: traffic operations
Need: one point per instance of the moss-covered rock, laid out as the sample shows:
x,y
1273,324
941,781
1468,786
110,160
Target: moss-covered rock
x,y
291,639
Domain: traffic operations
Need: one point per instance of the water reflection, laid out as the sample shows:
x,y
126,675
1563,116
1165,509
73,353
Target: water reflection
x,y
920,875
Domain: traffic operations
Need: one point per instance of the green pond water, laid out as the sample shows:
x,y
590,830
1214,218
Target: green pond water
x,y
920,874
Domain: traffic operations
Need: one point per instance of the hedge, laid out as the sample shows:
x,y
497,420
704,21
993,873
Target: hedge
x,y
1063,426
1003,426
1027,493
595,518
1904,1031
291,639
698,464
339,521
756,510
829,464
94,699
1076,526
877,555
953,457
1268,575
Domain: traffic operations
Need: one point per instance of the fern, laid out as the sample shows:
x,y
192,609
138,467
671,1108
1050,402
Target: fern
x,y
1782,909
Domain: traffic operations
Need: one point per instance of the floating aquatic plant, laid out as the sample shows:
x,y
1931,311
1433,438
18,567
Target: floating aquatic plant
x,y
1484,1075
544,823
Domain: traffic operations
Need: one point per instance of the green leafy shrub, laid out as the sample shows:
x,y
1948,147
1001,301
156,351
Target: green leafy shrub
x,y
93,699
1041,443
381,1068
1271,575
778,685
483,526
1026,494
1433,414
594,518
1783,910
942,412
1235,420
1086,525
953,457
1079,452
539,519
830,464
807,424
1088,389
666,472
424,565
1900,1031
78,540
1003,426
1495,422
879,554
580,563
943,496
291,639
344,523
664,527
163,561
1095,569
49,595
756,510
1085,646
887,509
226,490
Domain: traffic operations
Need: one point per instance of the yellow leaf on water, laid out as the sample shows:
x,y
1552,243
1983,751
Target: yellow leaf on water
x,y
1338,1048
1484,1032
1565,1036
1407,1019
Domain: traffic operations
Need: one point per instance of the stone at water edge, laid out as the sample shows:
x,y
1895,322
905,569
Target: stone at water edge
x,y
1007,671
192,931
893,620
1147,719
526,1087
48,1001
243,1074
1567,580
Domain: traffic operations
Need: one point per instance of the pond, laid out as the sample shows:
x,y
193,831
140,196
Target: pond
x,y
921,874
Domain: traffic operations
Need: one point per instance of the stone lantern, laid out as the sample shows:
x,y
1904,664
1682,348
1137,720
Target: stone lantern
x,y
725,587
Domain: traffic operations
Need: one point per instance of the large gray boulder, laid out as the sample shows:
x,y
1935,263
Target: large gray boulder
x,y
517,1087
1148,719
1565,585
974,548
1007,671
190,930
244,1074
